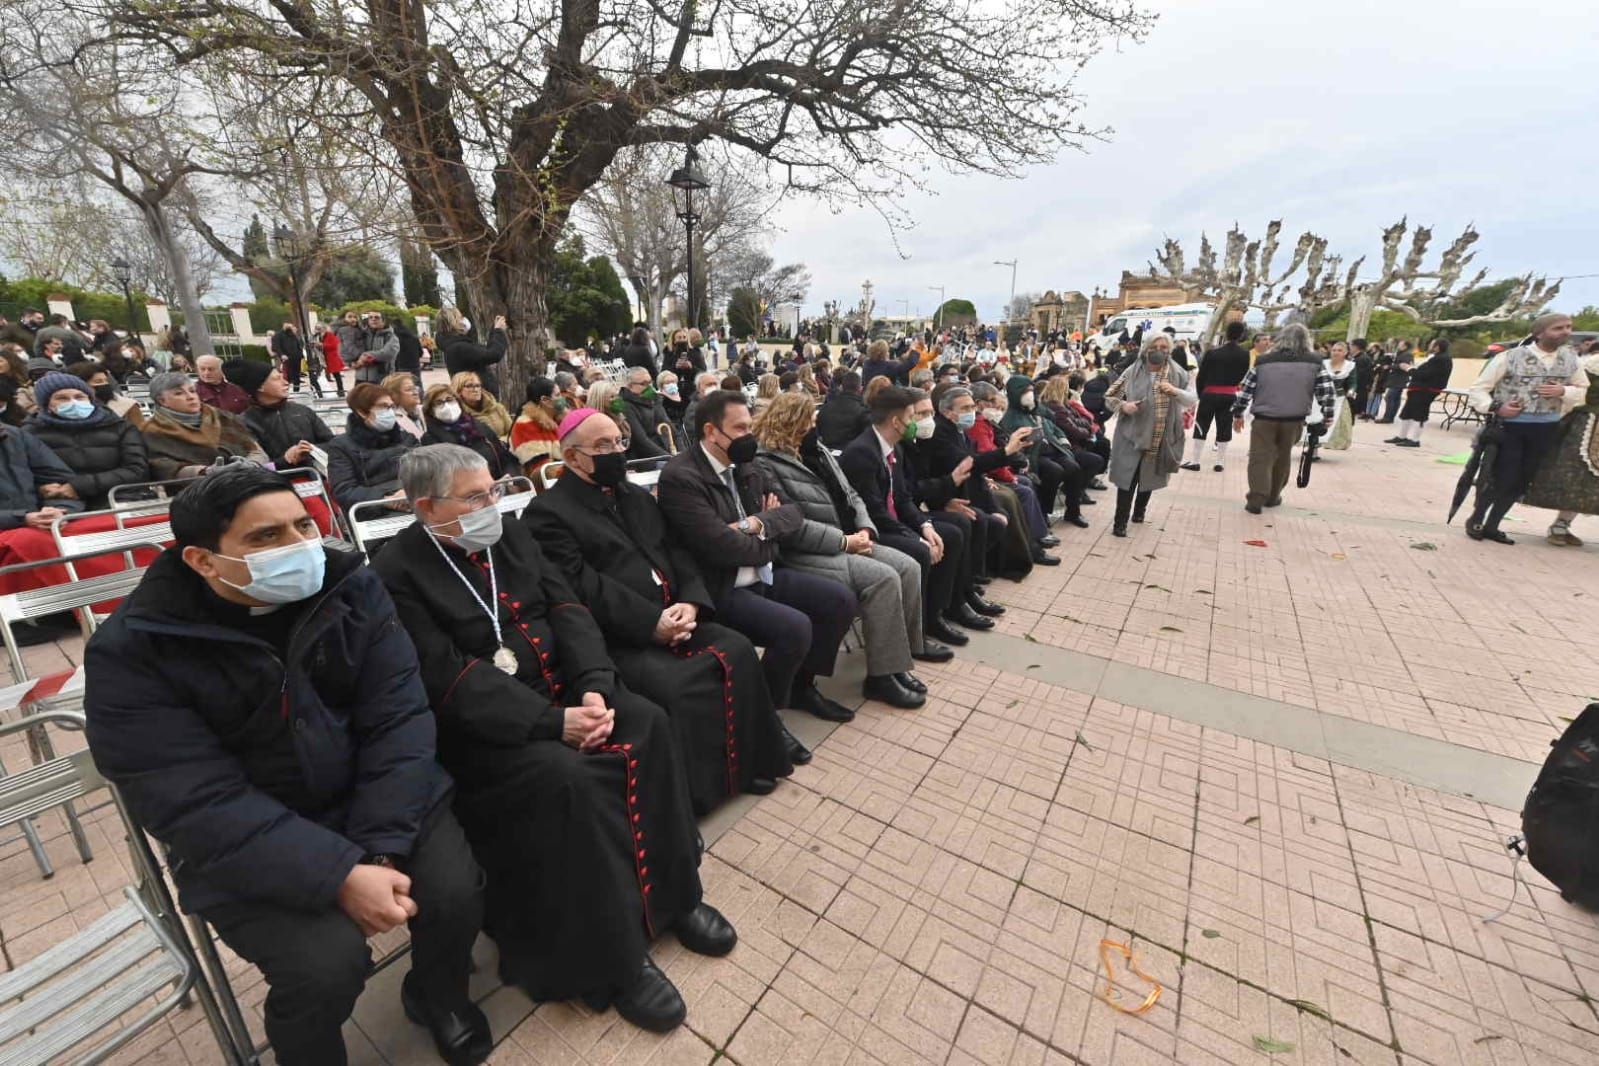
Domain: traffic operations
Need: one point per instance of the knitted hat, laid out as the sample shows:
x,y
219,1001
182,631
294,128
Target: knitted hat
x,y
39,366
54,382
574,419
247,375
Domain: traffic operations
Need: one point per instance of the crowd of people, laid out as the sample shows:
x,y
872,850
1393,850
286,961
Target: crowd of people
x,y
510,724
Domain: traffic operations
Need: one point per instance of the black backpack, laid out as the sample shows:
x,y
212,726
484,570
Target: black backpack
x,y
1560,819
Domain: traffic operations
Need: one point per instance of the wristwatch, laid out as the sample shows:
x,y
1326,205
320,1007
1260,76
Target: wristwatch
x,y
388,862
745,526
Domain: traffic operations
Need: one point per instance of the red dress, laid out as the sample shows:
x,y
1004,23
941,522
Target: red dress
x,y
330,353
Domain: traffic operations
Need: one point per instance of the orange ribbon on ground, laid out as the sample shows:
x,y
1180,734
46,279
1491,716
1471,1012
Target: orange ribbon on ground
x,y
1105,949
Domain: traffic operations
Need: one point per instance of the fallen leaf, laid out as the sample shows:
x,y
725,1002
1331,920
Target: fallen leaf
x,y
1170,629
1252,819
1310,1008
1029,638
1080,739
1272,1047
1032,666
1490,1038
1339,555
1158,588
1209,934
1425,546
1202,592
1011,704
1255,543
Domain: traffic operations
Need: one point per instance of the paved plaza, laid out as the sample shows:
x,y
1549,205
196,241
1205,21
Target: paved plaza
x,y
1280,773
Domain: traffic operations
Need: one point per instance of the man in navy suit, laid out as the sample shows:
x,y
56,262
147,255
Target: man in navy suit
x,y
875,463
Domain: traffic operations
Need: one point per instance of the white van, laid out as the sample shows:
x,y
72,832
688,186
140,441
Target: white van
x,y
1189,320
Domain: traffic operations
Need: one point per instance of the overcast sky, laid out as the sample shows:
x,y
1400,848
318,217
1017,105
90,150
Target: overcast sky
x,y
1338,118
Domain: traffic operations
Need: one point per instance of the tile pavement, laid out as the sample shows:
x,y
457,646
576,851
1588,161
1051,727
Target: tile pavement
x,y
935,886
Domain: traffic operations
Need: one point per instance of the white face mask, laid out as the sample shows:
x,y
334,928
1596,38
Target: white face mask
x,y
288,574
992,414
479,529
447,412
1028,400
924,428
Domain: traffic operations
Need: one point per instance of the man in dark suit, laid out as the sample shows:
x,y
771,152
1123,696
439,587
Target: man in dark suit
x,y
875,463
944,484
724,512
645,591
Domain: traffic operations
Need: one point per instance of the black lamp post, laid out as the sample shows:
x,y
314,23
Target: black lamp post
x,y
685,181
123,271
291,249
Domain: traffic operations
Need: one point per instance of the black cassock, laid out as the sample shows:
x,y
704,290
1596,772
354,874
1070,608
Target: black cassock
x,y
614,549
588,855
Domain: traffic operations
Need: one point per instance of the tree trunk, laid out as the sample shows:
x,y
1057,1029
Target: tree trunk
x,y
519,281
178,262
1361,306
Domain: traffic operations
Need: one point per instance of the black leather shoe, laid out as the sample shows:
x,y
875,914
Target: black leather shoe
x,y
461,1036
652,1002
798,754
1043,558
1138,517
938,629
885,688
1276,502
1049,540
811,700
912,682
760,786
1118,531
1252,508
933,652
982,606
1082,523
1085,500
965,616
704,931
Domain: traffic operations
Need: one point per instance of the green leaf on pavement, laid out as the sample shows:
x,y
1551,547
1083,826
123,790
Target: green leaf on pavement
x,y
1310,1008
1209,934
1272,1047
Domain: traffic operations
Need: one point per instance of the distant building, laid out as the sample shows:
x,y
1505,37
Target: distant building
x,y
1072,311
1067,310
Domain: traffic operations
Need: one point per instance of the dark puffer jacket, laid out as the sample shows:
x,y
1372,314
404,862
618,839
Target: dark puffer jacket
x,y
103,452
268,778
364,464
282,427
831,510
843,417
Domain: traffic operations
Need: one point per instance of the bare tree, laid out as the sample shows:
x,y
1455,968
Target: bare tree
x,y
630,215
1398,287
1243,278
84,105
1021,306
775,286
497,139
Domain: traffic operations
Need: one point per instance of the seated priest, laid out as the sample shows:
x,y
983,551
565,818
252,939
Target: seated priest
x,y
610,539
571,789
260,709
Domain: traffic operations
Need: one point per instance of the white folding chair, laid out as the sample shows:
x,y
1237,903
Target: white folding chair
x,y
88,995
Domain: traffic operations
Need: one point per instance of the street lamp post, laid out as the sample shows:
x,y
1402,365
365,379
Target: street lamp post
x,y
291,248
938,316
123,271
685,181
1012,264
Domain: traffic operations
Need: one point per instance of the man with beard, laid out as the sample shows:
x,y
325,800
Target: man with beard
x,y
571,790
611,540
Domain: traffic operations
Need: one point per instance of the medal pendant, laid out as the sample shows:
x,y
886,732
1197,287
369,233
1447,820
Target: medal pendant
x,y
505,659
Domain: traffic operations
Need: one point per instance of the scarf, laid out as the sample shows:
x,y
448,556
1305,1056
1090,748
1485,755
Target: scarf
x,y
1162,404
192,421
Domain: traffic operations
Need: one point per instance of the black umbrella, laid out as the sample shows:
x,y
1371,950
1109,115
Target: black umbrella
x,y
1307,455
1480,467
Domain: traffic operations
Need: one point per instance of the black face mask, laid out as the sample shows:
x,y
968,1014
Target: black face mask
x,y
610,469
105,393
742,449
682,346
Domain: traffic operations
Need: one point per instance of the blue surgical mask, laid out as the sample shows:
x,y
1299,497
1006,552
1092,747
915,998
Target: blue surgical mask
x,y
966,420
288,574
383,419
75,409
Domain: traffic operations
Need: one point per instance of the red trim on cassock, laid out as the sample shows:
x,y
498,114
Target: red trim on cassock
x,y
640,854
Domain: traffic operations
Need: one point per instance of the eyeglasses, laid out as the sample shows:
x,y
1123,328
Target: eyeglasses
x,y
608,447
478,501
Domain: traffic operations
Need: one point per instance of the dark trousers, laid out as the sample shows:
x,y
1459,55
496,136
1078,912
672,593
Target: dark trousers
x,y
800,619
1521,448
945,584
1131,502
1036,524
1090,462
1271,458
316,962
1391,402
1058,473
1362,399
1218,408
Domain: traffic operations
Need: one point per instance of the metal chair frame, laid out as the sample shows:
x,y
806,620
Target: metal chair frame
x,y
363,533
119,961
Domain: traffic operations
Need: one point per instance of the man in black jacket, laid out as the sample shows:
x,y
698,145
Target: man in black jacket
x,y
287,430
637,352
878,364
409,360
645,415
286,757
949,485
876,464
843,416
1220,372
288,351
724,511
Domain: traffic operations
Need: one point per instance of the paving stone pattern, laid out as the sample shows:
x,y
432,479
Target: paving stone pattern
x,y
935,886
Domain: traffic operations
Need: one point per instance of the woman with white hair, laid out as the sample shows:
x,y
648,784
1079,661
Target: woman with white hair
x,y
1148,400
183,437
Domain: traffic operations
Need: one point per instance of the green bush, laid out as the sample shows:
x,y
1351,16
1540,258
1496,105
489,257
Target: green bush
x,y
268,316
86,305
256,353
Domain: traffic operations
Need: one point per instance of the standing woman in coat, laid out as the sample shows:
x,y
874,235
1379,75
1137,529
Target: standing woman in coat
x,y
461,352
1345,375
1148,401
102,450
1430,377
